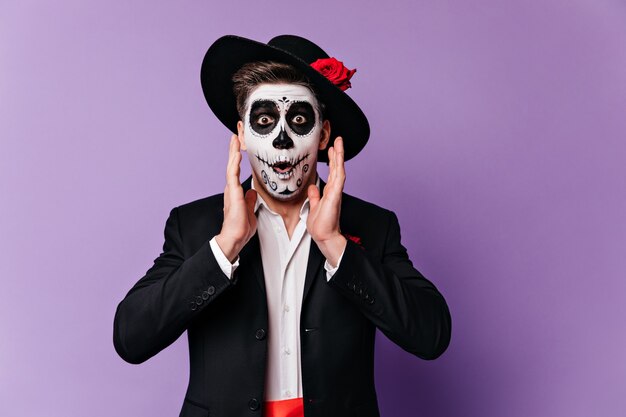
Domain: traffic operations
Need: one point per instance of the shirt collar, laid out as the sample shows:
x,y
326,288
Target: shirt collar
x,y
260,201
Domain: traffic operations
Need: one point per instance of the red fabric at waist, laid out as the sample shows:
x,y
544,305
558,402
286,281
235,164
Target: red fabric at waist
x,y
293,407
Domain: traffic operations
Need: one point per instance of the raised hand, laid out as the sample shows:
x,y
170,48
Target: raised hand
x,y
323,220
240,222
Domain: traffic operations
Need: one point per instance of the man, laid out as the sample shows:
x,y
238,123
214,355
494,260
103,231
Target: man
x,y
271,332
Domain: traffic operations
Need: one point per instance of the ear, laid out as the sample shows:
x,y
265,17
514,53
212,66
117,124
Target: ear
x,y
325,137
242,141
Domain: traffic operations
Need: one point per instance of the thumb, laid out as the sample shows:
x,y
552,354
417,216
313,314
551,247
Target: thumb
x,y
250,198
314,196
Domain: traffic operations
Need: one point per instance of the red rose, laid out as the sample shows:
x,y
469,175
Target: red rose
x,y
335,71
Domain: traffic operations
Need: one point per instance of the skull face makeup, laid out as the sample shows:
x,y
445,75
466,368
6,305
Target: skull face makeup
x,y
282,131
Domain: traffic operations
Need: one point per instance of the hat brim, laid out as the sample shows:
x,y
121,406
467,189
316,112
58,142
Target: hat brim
x,y
230,52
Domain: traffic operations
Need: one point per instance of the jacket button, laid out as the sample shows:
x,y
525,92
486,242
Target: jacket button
x,y
199,300
211,290
254,404
260,334
205,295
371,300
193,305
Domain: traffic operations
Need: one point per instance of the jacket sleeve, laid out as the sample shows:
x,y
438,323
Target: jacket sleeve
x,y
160,306
394,296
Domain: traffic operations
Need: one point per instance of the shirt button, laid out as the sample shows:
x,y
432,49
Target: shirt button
x,y
260,334
287,393
287,351
254,404
286,307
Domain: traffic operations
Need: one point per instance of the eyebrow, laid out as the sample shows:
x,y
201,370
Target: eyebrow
x,y
263,104
300,104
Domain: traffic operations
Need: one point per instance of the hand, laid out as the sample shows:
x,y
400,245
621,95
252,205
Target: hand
x,y
323,220
239,219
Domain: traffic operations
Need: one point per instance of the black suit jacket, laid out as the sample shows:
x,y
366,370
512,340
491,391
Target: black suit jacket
x,y
375,286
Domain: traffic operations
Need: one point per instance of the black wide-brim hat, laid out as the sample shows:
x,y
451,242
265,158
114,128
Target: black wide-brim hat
x,y
230,52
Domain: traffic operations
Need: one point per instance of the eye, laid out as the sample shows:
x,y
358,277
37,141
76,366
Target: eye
x,y
299,119
265,120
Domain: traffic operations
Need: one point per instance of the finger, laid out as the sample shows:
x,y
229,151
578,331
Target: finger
x,y
231,150
338,174
340,168
233,170
232,179
237,144
250,197
314,196
331,163
231,155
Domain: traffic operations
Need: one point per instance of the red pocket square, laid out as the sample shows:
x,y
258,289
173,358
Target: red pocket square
x,y
355,239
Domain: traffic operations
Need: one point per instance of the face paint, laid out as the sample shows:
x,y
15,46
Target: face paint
x,y
282,130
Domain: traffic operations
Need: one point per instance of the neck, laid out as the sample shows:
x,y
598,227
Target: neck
x,y
284,208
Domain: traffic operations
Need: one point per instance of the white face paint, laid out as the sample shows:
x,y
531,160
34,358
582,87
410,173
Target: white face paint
x,y
282,130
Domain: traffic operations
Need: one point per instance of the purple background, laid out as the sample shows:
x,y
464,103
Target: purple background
x,y
498,135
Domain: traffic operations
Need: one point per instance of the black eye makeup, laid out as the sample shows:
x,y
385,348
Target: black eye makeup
x,y
264,116
301,117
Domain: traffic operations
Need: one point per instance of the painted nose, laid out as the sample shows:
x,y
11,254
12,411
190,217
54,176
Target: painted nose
x,y
283,141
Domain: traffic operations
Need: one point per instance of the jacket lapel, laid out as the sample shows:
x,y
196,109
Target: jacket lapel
x,y
251,253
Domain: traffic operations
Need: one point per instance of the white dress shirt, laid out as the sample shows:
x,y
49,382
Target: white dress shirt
x,y
284,267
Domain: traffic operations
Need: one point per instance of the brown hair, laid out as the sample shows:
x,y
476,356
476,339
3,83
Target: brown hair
x,y
253,73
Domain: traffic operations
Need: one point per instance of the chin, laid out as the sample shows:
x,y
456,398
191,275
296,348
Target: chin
x,y
286,197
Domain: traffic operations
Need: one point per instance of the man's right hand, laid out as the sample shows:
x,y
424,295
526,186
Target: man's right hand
x,y
239,218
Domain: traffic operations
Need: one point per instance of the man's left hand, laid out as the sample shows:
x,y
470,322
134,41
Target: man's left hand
x,y
323,220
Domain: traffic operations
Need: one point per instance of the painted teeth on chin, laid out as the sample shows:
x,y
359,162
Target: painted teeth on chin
x,y
284,175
